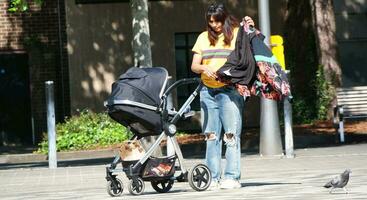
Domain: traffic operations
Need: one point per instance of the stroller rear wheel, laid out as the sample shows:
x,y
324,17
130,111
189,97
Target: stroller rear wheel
x,y
199,177
116,189
136,186
162,186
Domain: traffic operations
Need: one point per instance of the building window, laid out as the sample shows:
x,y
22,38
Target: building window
x,y
183,45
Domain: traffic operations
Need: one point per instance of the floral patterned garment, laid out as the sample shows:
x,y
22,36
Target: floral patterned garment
x,y
271,81
268,83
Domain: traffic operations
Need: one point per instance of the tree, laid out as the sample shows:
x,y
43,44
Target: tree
x,y
301,58
141,37
327,48
311,54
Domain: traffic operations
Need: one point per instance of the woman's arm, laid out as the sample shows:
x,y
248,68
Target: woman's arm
x,y
199,68
196,65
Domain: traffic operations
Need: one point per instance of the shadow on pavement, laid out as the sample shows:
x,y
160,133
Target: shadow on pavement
x,y
256,184
64,163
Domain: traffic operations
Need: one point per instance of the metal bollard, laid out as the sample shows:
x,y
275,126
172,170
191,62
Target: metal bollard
x,y
289,151
288,124
341,131
51,132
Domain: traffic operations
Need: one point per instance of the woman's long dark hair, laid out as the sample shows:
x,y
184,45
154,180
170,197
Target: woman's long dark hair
x,y
220,14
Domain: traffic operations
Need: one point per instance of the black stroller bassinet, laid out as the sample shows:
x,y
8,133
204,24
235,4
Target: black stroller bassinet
x,y
139,101
135,99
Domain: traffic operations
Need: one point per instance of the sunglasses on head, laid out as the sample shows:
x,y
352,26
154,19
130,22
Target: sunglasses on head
x,y
214,7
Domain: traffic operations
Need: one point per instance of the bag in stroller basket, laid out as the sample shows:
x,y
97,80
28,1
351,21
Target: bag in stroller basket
x,y
159,167
139,101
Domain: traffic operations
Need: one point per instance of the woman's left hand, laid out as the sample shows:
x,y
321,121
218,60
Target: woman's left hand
x,y
249,21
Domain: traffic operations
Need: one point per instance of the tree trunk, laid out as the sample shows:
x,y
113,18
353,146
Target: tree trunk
x,y
142,50
301,57
324,26
141,37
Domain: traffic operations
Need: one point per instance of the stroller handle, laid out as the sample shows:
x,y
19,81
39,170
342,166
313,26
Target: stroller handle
x,y
177,115
180,82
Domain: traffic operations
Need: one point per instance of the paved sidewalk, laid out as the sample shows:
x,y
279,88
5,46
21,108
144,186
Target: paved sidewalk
x,y
262,178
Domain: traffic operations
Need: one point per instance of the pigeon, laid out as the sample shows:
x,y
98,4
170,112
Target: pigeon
x,y
339,181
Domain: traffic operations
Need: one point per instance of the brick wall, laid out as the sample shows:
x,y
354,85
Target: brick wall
x,y
36,32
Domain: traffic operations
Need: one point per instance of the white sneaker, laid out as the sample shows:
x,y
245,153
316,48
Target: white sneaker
x,y
230,184
214,185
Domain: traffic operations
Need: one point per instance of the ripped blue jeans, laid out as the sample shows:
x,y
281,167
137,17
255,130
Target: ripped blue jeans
x,y
221,110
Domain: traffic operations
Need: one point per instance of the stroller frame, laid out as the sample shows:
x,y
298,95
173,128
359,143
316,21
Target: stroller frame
x,y
169,119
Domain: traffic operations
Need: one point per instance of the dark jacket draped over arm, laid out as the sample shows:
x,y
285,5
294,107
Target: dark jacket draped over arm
x,y
240,66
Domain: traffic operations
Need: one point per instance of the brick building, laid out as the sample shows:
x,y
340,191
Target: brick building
x,y
30,54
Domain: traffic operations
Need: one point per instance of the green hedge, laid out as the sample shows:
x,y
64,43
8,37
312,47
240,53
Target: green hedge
x,y
87,130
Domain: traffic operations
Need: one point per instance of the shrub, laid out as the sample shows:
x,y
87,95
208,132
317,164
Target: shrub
x,y
324,94
86,131
314,105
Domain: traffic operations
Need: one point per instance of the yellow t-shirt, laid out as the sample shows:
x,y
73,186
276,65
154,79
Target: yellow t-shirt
x,y
213,56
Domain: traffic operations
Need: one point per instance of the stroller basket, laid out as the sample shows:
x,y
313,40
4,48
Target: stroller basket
x,y
159,167
154,167
135,99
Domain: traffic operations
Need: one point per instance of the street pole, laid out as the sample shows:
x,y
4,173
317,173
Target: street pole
x,y
270,139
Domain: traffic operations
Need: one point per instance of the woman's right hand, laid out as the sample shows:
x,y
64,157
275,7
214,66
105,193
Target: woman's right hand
x,y
199,68
208,72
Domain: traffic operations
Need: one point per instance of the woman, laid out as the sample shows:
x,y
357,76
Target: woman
x,y
221,105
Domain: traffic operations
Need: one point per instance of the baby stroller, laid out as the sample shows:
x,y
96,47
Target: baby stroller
x,y
139,101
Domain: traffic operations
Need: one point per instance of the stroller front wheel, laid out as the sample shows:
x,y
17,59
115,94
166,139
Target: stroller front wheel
x,y
136,186
115,189
162,186
200,177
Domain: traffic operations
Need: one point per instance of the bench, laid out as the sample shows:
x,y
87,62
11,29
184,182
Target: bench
x,y
351,104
